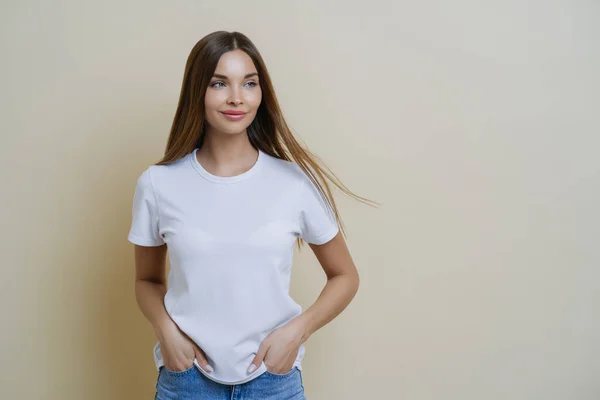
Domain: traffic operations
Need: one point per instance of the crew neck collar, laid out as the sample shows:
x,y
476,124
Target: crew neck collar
x,y
225,179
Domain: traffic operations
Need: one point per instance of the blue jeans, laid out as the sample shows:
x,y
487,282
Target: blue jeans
x,y
191,384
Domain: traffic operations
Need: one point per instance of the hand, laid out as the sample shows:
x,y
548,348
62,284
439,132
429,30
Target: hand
x,y
179,351
279,349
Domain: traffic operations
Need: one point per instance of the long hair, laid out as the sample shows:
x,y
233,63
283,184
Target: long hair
x,y
268,131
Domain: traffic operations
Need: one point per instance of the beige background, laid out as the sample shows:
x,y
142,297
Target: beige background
x,y
475,124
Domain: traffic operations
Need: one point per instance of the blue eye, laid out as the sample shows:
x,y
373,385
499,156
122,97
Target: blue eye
x,y
214,84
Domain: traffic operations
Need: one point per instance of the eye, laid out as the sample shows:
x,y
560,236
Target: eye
x,y
217,84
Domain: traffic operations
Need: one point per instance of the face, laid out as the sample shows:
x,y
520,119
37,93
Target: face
x,y
234,87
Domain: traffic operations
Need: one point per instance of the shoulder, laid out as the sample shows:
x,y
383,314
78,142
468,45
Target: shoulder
x,y
289,171
154,174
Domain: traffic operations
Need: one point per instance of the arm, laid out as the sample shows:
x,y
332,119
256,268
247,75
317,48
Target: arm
x,y
341,287
150,286
150,290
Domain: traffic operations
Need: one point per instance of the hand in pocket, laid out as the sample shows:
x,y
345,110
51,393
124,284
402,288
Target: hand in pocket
x,y
179,351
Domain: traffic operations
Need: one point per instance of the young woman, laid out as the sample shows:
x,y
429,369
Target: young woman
x,y
233,193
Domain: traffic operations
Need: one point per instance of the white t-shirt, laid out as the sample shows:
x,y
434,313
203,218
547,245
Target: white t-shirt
x,y
230,243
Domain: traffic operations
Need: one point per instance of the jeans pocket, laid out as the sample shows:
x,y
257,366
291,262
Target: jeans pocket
x,y
178,373
284,375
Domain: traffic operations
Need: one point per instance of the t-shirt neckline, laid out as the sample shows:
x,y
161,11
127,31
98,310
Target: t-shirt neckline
x,y
225,179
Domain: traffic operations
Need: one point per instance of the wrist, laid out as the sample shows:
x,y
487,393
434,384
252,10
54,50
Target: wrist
x,y
164,328
303,327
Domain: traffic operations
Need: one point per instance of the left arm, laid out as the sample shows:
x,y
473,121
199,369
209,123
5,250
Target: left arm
x,y
341,287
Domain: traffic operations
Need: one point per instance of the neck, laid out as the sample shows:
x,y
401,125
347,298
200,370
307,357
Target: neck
x,y
226,154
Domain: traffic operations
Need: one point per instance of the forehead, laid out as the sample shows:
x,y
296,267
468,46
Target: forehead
x,y
235,63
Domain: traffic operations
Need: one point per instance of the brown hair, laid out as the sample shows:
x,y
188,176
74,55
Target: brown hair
x,y
267,132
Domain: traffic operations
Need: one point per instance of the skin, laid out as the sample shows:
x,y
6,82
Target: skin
x,y
227,152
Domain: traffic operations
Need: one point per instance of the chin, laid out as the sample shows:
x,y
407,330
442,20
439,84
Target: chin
x,y
232,130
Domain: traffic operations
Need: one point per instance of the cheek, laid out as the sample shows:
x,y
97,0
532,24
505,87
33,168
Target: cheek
x,y
212,101
254,99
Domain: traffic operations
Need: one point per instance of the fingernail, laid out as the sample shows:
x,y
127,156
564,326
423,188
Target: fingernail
x,y
209,368
252,368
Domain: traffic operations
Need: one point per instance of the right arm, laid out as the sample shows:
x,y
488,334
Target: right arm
x,y
151,287
150,290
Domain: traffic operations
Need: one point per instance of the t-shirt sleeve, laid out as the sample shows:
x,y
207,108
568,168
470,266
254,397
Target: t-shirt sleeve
x,y
318,224
144,229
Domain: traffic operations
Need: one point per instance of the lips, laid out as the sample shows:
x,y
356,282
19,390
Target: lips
x,y
231,112
234,115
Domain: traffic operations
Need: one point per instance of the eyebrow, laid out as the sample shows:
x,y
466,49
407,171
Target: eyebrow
x,y
245,77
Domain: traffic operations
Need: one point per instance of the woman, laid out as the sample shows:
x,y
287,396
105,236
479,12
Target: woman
x,y
231,196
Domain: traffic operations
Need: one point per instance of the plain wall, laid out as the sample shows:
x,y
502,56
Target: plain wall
x,y
475,124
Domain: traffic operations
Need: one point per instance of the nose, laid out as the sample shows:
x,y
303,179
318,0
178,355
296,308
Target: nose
x,y
235,98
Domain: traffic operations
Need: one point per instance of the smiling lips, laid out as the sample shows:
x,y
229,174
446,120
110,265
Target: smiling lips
x,y
234,115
